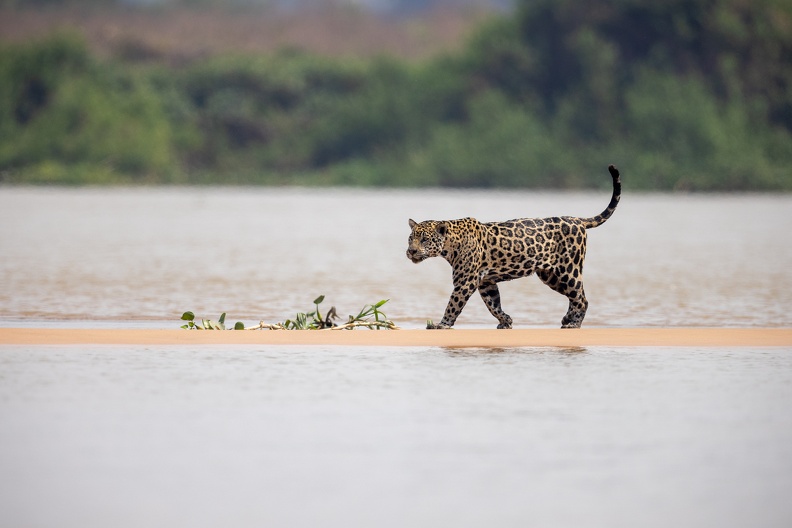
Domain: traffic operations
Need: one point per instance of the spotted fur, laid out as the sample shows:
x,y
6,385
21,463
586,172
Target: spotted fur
x,y
483,254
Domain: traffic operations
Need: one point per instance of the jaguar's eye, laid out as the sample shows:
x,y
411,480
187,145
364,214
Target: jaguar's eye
x,y
423,240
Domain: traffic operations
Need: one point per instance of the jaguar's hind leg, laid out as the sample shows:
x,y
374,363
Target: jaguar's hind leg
x,y
577,309
491,296
572,288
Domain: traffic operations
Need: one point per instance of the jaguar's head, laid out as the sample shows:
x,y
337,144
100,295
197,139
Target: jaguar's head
x,y
426,239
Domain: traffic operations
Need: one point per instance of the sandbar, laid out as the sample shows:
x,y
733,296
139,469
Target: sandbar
x,y
459,338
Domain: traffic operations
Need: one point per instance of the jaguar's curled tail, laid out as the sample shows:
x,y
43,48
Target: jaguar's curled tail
x,y
604,215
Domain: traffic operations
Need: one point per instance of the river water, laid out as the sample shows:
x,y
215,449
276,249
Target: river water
x,y
144,256
205,436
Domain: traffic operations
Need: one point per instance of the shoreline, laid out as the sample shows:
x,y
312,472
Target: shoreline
x,y
628,337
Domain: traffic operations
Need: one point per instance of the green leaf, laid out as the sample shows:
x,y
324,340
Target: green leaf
x,y
185,327
207,323
381,303
319,299
188,316
239,325
222,318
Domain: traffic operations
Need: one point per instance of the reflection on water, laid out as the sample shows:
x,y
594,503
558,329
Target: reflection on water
x,y
360,437
499,351
263,254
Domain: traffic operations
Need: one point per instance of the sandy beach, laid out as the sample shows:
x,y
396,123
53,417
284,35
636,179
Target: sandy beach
x,y
715,337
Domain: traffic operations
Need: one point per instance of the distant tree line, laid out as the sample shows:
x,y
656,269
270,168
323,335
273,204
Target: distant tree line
x,y
681,94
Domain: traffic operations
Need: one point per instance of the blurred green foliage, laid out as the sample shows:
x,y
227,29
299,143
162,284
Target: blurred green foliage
x,y
681,94
65,118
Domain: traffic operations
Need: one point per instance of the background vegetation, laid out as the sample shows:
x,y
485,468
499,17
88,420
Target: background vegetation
x,y
681,94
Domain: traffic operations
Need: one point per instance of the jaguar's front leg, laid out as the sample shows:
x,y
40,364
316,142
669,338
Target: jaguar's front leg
x,y
463,289
491,296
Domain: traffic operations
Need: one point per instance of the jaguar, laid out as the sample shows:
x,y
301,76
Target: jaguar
x,y
483,254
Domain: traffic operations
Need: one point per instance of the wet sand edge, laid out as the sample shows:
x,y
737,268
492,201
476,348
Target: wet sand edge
x,y
628,337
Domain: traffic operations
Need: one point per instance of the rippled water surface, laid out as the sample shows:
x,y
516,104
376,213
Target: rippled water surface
x,y
387,437
144,256
337,437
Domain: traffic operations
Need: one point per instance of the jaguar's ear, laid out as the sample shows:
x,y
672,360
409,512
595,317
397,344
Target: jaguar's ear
x,y
413,223
441,228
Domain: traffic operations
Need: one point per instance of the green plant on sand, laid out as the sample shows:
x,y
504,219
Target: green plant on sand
x,y
207,324
369,317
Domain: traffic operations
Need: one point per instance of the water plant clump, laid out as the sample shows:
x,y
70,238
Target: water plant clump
x,y
370,316
207,324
